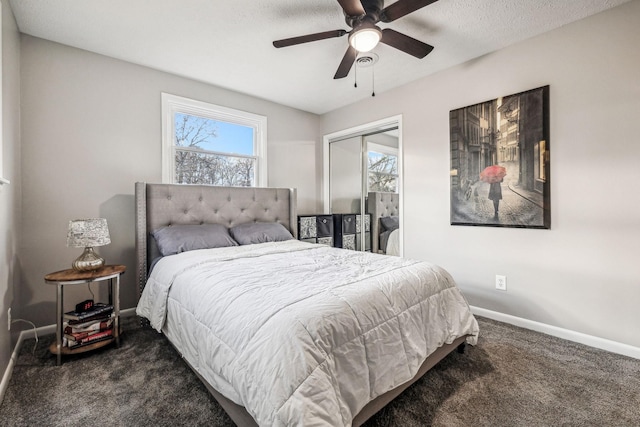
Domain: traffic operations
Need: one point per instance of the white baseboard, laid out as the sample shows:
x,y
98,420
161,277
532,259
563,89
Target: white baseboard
x,y
7,373
579,337
26,334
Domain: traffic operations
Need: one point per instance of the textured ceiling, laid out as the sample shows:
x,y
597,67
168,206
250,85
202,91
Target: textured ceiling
x,y
227,43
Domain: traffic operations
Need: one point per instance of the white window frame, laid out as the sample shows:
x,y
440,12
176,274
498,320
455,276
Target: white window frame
x,y
172,104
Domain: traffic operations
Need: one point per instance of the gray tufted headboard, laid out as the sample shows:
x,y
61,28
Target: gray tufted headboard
x,y
160,205
379,205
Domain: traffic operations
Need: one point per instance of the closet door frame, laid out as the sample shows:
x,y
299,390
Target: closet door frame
x,y
363,130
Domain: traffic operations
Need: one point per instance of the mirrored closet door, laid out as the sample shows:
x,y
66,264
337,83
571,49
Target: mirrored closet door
x,y
363,187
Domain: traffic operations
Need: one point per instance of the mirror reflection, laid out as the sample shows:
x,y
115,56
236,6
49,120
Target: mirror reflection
x,y
364,191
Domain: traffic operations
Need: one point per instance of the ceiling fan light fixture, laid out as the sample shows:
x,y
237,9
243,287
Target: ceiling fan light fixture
x,y
365,39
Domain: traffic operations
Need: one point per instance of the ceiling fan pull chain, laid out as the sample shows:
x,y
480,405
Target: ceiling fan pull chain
x,y
355,75
373,80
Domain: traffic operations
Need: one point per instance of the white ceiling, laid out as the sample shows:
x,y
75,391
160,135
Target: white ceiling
x,y
227,43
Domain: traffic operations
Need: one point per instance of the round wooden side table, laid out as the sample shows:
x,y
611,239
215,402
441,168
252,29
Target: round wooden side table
x,y
108,273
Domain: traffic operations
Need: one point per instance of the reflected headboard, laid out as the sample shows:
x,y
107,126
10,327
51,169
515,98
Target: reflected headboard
x,y
161,205
380,204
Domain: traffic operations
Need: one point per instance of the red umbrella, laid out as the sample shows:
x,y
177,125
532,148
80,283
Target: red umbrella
x,y
493,174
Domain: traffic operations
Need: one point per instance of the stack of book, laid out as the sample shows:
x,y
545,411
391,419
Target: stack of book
x,y
87,327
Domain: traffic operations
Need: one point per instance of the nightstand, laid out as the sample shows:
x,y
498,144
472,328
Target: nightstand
x,y
109,274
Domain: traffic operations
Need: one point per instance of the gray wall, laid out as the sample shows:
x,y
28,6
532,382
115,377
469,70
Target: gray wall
x,y
9,194
91,128
584,273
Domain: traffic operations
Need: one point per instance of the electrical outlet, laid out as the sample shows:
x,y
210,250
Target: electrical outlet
x,y
501,282
9,318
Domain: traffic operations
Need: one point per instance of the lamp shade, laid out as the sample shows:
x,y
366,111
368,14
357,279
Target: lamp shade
x,y
84,233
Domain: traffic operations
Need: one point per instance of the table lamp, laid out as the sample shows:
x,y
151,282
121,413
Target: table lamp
x,y
88,233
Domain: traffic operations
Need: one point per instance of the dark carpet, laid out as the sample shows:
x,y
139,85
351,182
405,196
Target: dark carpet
x,y
513,377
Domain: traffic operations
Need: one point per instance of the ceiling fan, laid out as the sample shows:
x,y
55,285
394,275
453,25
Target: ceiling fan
x,y
362,16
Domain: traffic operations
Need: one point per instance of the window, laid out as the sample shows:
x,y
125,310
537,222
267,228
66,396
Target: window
x,y
208,144
382,168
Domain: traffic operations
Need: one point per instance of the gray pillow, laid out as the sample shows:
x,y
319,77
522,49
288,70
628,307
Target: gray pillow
x,y
260,232
390,223
181,238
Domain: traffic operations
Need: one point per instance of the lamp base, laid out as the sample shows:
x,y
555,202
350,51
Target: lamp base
x,y
88,261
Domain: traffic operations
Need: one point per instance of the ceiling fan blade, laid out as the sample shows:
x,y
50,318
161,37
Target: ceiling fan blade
x,y
352,7
309,38
346,64
405,43
402,8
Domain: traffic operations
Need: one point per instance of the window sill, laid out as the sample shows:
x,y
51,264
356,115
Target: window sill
x,y
4,181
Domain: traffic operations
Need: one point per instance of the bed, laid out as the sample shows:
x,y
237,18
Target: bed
x,y
284,332
385,228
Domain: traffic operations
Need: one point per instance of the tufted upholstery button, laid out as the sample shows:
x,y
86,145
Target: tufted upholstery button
x,y
200,198
168,197
186,211
242,210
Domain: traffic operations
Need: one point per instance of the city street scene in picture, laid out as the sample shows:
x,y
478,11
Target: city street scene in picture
x,y
500,162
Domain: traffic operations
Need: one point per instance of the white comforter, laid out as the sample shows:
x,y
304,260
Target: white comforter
x,y
302,334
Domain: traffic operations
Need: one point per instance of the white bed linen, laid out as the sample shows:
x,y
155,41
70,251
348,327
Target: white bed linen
x,y
393,243
303,334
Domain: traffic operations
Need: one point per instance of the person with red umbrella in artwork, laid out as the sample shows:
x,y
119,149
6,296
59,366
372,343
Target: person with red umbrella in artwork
x,y
494,175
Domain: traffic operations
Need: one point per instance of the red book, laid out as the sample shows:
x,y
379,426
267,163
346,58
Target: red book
x,y
99,336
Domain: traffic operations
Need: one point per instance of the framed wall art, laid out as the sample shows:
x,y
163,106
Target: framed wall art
x,y
500,175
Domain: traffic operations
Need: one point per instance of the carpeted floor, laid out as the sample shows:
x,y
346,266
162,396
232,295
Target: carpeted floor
x,y
513,377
